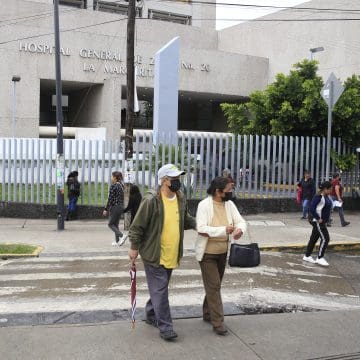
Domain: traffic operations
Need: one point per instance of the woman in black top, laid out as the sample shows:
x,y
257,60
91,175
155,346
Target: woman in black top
x,y
134,201
114,206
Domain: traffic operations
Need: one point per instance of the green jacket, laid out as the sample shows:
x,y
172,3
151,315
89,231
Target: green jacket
x,y
145,230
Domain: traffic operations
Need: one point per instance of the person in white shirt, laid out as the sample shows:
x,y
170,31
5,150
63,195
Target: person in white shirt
x,y
217,220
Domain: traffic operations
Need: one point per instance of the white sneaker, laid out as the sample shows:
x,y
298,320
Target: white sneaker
x,y
322,262
114,243
122,240
309,259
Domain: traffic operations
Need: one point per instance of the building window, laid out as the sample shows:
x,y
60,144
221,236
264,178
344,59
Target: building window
x,y
166,16
81,4
115,7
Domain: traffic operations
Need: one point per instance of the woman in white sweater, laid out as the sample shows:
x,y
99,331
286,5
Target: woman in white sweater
x,y
217,220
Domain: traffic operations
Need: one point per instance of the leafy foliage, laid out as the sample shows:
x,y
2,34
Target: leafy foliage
x,y
347,112
344,162
293,106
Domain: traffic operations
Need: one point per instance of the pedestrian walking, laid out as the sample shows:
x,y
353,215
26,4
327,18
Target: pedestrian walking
x,y
337,198
157,233
73,187
308,190
134,202
217,220
320,209
114,206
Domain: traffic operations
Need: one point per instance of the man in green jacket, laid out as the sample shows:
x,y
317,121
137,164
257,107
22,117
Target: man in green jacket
x,y
157,233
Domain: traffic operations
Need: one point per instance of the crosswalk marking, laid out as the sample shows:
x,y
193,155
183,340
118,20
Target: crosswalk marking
x,y
51,284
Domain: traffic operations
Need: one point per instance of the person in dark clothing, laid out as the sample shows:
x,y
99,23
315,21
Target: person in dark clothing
x,y
337,198
320,209
308,191
114,206
134,202
73,187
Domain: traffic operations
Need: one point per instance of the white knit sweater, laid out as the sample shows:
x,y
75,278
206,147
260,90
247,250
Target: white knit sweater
x,y
204,215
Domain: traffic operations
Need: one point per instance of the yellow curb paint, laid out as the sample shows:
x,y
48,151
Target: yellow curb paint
x,y
339,246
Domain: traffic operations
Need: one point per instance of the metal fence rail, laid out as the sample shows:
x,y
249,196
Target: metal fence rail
x,y
262,166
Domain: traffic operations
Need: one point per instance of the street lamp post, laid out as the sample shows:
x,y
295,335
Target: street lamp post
x,y
14,79
315,50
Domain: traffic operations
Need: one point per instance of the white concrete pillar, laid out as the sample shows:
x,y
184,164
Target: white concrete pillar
x,y
166,88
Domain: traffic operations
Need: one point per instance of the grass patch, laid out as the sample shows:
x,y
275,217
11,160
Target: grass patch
x,y
16,249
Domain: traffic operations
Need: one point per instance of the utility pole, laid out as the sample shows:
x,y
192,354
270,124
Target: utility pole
x,y
60,163
130,89
130,80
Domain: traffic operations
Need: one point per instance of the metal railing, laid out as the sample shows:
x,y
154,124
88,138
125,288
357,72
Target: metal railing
x,y
262,166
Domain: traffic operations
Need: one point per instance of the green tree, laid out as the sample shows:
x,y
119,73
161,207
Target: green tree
x,y
346,122
292,105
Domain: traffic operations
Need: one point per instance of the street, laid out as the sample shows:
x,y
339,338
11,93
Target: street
x,y
83,289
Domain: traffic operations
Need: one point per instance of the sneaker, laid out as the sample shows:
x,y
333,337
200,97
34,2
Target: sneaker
x,y
168,334
309,259
220,330
303,218
321,262
122,240
114,243
151,321
346,223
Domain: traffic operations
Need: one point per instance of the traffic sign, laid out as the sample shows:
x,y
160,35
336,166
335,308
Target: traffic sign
x,y
332,90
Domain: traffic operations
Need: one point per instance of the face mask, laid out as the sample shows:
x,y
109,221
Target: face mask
x,y
175,185
228,196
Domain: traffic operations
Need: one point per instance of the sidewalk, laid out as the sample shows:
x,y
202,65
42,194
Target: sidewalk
x,y
315,335
273,231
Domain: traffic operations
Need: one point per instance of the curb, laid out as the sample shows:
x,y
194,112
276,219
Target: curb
x,y
338,246
35,253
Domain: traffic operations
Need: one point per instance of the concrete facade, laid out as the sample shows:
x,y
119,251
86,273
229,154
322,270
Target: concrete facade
x,y
94,67
285,43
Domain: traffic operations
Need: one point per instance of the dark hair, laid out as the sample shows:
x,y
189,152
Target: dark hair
x,y
219,183
134,189
73,174
117,175
335,175
325,185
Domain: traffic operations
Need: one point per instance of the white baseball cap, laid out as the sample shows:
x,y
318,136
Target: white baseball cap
x,y
169,170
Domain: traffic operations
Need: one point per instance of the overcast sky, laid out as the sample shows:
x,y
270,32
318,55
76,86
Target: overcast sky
x,y
238,12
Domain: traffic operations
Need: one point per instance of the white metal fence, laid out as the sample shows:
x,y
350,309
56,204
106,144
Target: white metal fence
x,y
262,166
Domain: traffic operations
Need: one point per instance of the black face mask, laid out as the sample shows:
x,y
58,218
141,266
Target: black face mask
x,y
175,185
228,196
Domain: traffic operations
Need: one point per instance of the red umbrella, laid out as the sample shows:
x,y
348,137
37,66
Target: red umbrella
x,y
133,293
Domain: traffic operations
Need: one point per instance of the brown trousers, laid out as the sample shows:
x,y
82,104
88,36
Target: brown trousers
x,y
212,270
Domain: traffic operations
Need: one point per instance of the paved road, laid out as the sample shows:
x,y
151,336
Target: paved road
x,y
84,288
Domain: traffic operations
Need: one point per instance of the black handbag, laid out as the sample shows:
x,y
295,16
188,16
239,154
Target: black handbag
x,y
242,255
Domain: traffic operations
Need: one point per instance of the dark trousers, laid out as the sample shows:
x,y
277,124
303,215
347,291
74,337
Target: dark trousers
x,y
72,204
212,270
158,308
319,231
114,219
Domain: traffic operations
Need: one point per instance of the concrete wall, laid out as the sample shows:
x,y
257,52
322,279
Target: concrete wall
x,y
286,43
203,69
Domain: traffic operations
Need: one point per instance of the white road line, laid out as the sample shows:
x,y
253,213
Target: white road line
x,y
261,270
189,297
